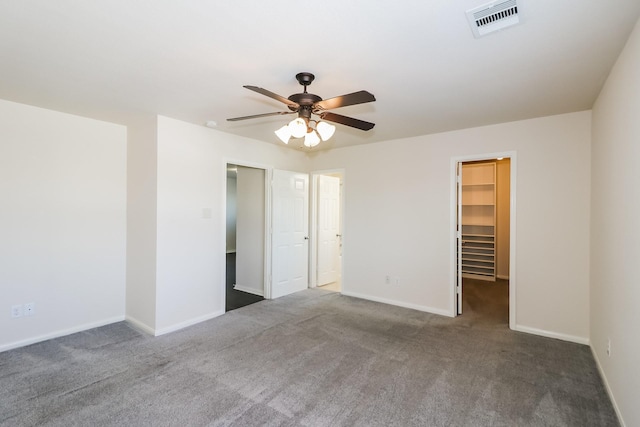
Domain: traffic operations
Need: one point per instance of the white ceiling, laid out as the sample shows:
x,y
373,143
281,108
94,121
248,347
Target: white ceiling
x,y
117,59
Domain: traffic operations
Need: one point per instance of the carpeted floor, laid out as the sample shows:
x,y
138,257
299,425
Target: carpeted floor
x,y
314,358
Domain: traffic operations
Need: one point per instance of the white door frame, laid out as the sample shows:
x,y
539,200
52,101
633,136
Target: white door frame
x,y
512,228
313,225
268,172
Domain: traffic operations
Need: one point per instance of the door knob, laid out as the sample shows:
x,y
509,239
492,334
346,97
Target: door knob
x,y
338,235
306,237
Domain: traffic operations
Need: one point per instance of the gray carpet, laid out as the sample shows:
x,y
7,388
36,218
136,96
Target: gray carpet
x,y
314,358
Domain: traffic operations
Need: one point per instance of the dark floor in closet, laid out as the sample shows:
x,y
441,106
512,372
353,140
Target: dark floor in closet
x,y
235,298
486,302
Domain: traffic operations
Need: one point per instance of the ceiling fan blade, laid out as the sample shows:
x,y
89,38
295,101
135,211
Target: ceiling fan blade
x,y
255,116
347,121
345,100
275,96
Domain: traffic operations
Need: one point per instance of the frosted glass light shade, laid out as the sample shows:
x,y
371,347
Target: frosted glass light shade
x,y
311,139
325,130
284,133
298,128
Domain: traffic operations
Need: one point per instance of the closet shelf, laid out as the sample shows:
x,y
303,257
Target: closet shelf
x,y
478,275
478,233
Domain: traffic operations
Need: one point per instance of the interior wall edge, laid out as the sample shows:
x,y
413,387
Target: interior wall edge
x,y
248,290
418,307
551,334
139,325
60,333
187,323
607,387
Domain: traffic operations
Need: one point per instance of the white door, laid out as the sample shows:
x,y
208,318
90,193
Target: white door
x,y
328,229
290,239
459,239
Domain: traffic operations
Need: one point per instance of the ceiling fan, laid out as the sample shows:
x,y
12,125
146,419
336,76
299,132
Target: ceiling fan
x,y
306,104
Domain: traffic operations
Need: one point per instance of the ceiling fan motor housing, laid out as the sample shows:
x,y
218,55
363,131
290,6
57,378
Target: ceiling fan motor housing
x,y
304,100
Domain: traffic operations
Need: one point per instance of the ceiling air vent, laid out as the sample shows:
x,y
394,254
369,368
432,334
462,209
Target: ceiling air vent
x,y
492,17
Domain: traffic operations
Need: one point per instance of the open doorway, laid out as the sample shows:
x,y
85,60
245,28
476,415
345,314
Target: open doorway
x,y
326,215
245,231
485,236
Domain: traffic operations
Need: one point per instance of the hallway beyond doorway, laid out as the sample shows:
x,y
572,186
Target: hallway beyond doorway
x,y
333,286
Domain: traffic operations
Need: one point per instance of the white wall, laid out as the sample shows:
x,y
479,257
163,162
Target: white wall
x,y
62,222
232,212
191,243
250,231
141,222
398,218
615,245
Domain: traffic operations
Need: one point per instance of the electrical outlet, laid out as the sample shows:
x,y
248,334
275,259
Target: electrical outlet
x,y
387,280
16,310
396,281
609,347
29,309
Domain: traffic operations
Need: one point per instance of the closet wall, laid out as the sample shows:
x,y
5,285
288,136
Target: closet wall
x,y
503,217
232,191
479,220
486,219
250,230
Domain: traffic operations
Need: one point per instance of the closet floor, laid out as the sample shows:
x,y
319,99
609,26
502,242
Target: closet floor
x,y
235,298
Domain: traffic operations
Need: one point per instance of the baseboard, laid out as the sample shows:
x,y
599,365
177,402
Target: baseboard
x,y
399,303
248,290
139,326
60,333
187,323
550,334
499,276
608,388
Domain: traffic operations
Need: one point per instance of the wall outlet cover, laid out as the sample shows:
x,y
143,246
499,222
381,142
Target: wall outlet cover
x,y
16,310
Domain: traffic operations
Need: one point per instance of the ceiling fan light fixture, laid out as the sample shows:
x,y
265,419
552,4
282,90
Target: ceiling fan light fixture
x,y
311,139
325,130
284,133
306,104
298,127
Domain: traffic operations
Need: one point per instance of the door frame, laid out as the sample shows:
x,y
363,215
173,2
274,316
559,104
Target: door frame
x,y
268,173
512,155
313,224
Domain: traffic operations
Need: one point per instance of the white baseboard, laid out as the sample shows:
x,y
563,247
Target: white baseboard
x,y
187,323
399,303
608,388
550,334
140,326
248,290
60,333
